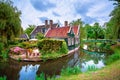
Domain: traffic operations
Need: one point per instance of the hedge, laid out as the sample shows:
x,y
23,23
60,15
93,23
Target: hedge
x,y
52,46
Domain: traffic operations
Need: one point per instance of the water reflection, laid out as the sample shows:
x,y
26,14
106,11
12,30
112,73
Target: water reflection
x,y
85,60
92,59
85,65
28,72
15,70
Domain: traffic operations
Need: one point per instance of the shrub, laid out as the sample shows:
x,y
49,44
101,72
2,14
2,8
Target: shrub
x,y
40,36
48,46
63,48
5,54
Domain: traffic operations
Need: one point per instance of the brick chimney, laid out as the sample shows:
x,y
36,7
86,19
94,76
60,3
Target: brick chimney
x,y
51,24
46,23
66,23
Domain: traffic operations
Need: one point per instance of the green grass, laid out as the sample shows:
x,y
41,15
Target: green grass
x,y
50,56
70,71
40,77
51,78
114,57
110,72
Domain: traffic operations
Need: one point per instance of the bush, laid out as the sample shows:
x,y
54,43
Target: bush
x,y
48,46
40,36
64,48
5,54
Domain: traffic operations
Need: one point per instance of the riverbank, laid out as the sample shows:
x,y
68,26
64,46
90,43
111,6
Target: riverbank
x,y
38,58
110,72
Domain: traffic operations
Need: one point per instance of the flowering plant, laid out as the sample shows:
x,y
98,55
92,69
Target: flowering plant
x,y
16,50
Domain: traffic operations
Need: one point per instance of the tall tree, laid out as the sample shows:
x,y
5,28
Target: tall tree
x,y
98,31
108,31
115,19
77,22
82,29
95,31
10,23
89,31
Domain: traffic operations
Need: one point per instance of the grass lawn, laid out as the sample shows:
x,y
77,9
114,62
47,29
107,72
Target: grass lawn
x,y
110,72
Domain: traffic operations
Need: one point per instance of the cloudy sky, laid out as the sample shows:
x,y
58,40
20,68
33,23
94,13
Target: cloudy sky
x,y
34,12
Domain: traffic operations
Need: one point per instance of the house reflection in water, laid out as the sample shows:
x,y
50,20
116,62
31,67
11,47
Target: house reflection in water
x,y
28,72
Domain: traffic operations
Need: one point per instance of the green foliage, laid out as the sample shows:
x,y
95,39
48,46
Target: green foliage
x,y
10,23
113,57
52,46
19,59
94,32
49,55
71,71
64,48
51,49
80,23
115,20
29,29
27,44
5,53
40,36
3,78
109,31
1,47
40,77
51,78
77,22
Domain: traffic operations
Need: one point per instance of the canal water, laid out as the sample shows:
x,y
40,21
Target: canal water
x,y
15,70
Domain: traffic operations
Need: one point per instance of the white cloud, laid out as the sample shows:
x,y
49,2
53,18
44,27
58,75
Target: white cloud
x,y
100,11
66,10
29,14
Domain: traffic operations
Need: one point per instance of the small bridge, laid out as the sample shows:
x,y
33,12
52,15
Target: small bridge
x,y
100,41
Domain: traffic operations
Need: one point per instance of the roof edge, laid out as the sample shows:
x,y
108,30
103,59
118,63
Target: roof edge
x,y
34,30
78,29
47,32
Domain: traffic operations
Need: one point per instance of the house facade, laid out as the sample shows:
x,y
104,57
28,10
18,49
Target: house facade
x,y
43,28
68,33
24,37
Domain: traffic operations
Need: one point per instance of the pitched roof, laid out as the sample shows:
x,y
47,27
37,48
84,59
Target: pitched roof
x,y
61,32
38,28
76,30
24,36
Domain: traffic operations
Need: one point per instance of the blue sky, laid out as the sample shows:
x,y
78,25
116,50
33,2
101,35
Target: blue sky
x,y
34,12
